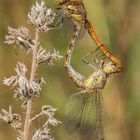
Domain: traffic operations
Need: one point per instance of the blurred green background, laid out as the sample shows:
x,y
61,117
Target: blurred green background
x,y
117,23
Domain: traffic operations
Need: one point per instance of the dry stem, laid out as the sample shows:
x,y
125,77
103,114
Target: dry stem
x,y
29,100
36,116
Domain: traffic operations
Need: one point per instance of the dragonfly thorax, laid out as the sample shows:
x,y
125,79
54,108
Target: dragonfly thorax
x,y
96,81
74,10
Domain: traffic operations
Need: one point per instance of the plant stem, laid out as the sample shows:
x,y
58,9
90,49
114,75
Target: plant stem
x,y
32,76
36,116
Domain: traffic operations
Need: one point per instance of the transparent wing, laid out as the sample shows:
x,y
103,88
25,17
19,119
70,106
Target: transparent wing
x,y
83,117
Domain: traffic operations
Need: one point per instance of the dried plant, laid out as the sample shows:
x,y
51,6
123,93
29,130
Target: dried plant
x,y
42,18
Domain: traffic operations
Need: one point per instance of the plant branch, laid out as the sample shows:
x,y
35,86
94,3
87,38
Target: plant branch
x,y
32,76
36,116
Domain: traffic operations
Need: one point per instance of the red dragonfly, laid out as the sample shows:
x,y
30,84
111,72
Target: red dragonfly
x,y
76,11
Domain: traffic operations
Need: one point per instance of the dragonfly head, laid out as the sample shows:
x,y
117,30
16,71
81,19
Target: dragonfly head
x,y
110,67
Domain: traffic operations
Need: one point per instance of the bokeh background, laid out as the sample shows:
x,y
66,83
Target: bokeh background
x,y
117,23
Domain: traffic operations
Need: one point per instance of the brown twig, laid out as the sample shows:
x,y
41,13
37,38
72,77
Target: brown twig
x,y
29,100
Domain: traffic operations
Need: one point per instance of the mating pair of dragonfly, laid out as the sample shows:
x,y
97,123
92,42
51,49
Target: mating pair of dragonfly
x,y
83,118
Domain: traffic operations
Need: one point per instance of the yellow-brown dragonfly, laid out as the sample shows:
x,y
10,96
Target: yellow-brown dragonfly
x,y
76,11
83,116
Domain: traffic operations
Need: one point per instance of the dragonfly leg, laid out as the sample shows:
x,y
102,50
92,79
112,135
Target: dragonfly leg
x,y
84,59
87,62
103,57
91,53
103,60
98,62
60,19
59,22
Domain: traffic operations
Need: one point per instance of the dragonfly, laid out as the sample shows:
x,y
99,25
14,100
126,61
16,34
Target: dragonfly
x,y
76,11
83,115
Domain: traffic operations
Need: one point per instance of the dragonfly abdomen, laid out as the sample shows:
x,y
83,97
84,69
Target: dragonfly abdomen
x,y
93,35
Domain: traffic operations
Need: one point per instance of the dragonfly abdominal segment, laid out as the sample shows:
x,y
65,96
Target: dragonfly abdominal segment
x,y
96,81
77,78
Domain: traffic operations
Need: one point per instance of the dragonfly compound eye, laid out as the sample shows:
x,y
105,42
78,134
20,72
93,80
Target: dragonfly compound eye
x,y
110,68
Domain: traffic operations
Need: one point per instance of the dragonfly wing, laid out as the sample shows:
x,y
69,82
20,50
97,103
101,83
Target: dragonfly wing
x,y
73,112
84,117
91,122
